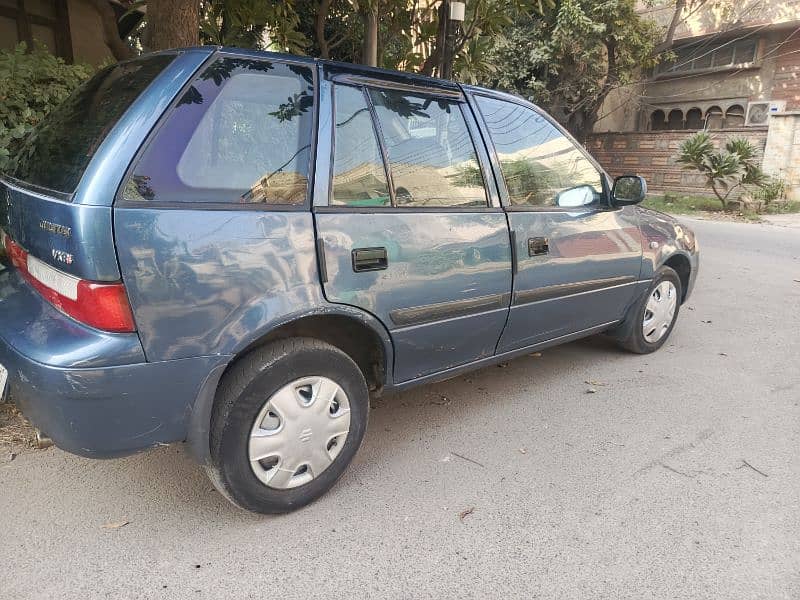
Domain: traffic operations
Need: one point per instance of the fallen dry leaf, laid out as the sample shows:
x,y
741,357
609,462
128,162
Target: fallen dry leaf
x,y
466,512
115,525
442,401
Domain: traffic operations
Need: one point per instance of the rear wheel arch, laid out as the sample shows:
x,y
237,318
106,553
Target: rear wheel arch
x,y
367,343
352,335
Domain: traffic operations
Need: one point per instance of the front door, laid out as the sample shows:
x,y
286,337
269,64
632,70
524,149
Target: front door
x,y
409,233
578,259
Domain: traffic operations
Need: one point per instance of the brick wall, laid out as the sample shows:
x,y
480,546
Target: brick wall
x,y
652,155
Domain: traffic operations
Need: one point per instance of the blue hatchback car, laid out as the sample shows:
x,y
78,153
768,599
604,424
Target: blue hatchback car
x,y
234,248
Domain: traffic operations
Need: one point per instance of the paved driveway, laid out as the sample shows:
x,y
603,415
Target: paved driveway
x,y
636,491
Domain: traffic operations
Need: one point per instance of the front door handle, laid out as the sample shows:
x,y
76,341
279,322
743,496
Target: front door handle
x,y
369,259
538,246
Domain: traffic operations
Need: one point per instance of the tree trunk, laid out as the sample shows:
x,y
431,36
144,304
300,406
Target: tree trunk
x,y
319,28
370,53
118,47
173,24
434,60
669,36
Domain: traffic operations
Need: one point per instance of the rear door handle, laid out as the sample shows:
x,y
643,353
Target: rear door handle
x,y
369,259
538,246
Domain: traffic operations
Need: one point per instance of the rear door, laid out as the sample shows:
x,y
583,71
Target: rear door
x,y
407,226
578,258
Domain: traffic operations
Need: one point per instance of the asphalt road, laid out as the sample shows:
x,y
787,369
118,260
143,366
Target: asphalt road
x,y
636,491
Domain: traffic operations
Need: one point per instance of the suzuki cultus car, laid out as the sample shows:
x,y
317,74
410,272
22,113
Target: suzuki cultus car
x,y
235,248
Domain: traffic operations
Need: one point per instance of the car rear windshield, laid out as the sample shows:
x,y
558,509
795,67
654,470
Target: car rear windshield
x,y
57,152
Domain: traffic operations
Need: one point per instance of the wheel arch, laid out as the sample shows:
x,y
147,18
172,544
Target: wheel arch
x,y
357,333
681,264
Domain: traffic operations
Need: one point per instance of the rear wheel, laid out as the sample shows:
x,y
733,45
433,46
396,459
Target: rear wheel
x,y
288,419
654,316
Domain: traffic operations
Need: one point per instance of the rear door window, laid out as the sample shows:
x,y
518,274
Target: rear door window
x,y
60,148
241,133
431,156
359,176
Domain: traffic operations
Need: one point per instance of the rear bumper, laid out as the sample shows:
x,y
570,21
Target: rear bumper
x,y
92,392
108,411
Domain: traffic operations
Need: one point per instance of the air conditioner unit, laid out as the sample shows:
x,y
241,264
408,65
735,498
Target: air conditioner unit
x,y
758,112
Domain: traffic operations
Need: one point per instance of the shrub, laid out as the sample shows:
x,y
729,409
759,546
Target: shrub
x,y
734,166
31,84
773,189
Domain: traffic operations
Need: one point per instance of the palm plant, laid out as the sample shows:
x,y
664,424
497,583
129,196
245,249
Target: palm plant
x,y
732,167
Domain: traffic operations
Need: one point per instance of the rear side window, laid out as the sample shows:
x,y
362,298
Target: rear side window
x,y
59,149
540,165
359,178
241,133
431,156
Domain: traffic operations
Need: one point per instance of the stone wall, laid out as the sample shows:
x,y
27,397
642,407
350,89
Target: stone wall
x,y
782,152
652,155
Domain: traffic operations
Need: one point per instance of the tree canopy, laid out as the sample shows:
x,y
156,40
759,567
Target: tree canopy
x,y
566,55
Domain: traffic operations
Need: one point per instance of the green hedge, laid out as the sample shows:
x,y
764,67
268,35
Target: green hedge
x,y
31,84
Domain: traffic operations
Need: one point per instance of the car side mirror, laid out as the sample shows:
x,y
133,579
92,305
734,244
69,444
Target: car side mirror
x,y
628,189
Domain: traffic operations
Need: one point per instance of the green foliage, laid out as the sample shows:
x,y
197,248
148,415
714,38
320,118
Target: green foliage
x,y
569,57
734,166
243,23
773,189
31,84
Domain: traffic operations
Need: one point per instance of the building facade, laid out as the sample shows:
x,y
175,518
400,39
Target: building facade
x,y
735,73
71,29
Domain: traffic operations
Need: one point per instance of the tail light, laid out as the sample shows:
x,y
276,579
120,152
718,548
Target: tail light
x,y
101,305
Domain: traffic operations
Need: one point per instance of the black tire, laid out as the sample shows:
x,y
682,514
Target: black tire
x,y
631,336
242,394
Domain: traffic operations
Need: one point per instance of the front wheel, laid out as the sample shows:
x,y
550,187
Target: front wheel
x,y
655,315
288,419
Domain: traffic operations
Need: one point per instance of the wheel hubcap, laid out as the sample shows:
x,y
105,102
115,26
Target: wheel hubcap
x,y
660,311
299,432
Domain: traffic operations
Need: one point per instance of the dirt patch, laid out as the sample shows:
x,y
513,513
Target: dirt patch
x,y
735,217
16,434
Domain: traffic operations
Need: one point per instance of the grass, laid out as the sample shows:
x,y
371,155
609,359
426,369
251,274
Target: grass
x,y
711,206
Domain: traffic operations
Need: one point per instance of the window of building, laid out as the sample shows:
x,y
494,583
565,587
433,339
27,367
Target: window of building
x,y
432,159
675,119
701,56
734,117
540,165
714,118
359,178
43,22
241,133
694,119
658,120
